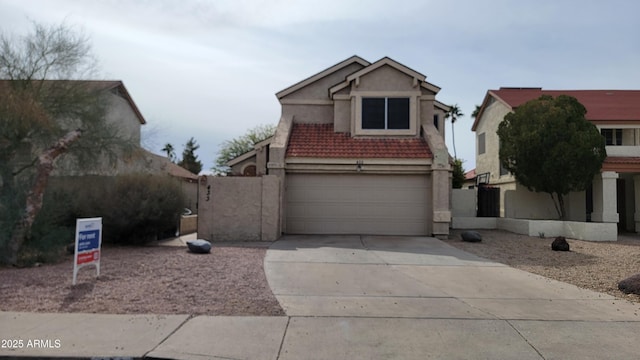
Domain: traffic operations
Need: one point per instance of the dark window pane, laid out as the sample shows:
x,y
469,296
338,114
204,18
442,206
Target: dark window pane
x,y
608,136
373,113
436,119
398,113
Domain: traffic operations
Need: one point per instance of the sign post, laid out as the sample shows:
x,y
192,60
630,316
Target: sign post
x,y
88,242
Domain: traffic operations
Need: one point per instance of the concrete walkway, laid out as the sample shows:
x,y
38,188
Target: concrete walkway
x,y
353,297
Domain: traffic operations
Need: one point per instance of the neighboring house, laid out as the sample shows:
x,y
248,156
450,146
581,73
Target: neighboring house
x,y
123,112
615,193
469,179
125,115
253,162
359,149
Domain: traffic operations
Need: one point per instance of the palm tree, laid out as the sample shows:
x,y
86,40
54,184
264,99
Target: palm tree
x,y
475,112
454,113
171,152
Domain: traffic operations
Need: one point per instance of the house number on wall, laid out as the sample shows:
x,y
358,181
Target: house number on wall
x,y
208,192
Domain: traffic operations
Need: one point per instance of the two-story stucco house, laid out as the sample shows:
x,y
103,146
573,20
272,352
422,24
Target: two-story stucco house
x,y
359,149
615,194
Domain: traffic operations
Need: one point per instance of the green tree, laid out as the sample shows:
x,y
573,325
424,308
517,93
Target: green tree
x,y
458,174
454,113
43,120
189,158
550,147
231,149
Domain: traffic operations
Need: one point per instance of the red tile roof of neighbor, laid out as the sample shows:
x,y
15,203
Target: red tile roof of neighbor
x,y
470,175
320,141
602,105
621,164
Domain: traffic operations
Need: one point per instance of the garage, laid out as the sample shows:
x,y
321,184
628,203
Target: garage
x,y
357,204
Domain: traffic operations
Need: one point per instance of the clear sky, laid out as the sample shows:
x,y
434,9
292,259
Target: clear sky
x,y
209,69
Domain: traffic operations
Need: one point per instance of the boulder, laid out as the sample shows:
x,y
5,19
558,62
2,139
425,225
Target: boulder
x,y
199,246
560,244
471,236
630,285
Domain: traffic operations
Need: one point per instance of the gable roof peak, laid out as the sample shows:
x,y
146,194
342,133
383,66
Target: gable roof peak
x,y
344,63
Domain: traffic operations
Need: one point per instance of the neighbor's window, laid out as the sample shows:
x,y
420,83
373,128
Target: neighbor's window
x,y
481,144
612,136
385,113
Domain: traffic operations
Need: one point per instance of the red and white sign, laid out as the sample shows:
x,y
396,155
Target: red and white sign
x,y
88,242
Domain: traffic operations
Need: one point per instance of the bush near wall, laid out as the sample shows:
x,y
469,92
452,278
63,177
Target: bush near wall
x,y
135,209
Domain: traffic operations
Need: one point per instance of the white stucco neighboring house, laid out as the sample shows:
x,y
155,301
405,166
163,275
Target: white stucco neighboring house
x,y
615,194
359,149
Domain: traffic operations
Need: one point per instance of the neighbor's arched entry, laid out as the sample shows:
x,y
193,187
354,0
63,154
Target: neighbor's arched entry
x,y
249,170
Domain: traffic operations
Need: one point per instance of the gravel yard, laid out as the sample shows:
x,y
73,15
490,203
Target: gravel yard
x,y
152,279
231,280
591,265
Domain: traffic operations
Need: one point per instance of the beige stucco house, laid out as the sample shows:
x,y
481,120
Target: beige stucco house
x,y
615,193
359,149
124,114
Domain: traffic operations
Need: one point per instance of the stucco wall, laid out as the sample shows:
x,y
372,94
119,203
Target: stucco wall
x,y
546,228
520,203
318,89
463,203
239,208
122,115
188,224
385,78
342,116
489,161
309,113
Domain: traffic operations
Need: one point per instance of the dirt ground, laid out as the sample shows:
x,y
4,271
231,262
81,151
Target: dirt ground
x,y
591,265
154,279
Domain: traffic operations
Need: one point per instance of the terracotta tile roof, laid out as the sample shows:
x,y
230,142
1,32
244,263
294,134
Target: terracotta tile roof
x,y
602,105
621,164
622,160
320,141
470,175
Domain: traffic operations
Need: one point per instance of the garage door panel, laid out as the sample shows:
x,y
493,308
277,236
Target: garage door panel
x,y
352,204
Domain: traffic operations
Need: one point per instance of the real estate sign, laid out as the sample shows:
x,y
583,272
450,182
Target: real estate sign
x,y
88,242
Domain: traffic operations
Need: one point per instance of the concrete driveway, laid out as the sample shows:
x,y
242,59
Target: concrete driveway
x,y
417,297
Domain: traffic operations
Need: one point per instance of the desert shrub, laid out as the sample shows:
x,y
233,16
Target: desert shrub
x,y
140,208
134,209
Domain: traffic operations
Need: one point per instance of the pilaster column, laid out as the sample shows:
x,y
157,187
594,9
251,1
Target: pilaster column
x,y
441,184
605,198
636,187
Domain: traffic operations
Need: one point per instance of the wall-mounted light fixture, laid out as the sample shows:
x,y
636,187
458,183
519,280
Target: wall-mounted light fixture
x,y
359,164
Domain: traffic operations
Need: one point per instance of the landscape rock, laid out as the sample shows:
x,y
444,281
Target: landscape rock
x,y
630,285
199,246
560,244
471,236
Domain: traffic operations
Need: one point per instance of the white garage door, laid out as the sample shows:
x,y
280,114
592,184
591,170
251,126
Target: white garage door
x,y
357,204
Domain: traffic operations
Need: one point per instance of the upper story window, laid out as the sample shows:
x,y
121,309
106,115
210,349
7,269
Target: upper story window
x,y
385,113
481,144
612,136
436,121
